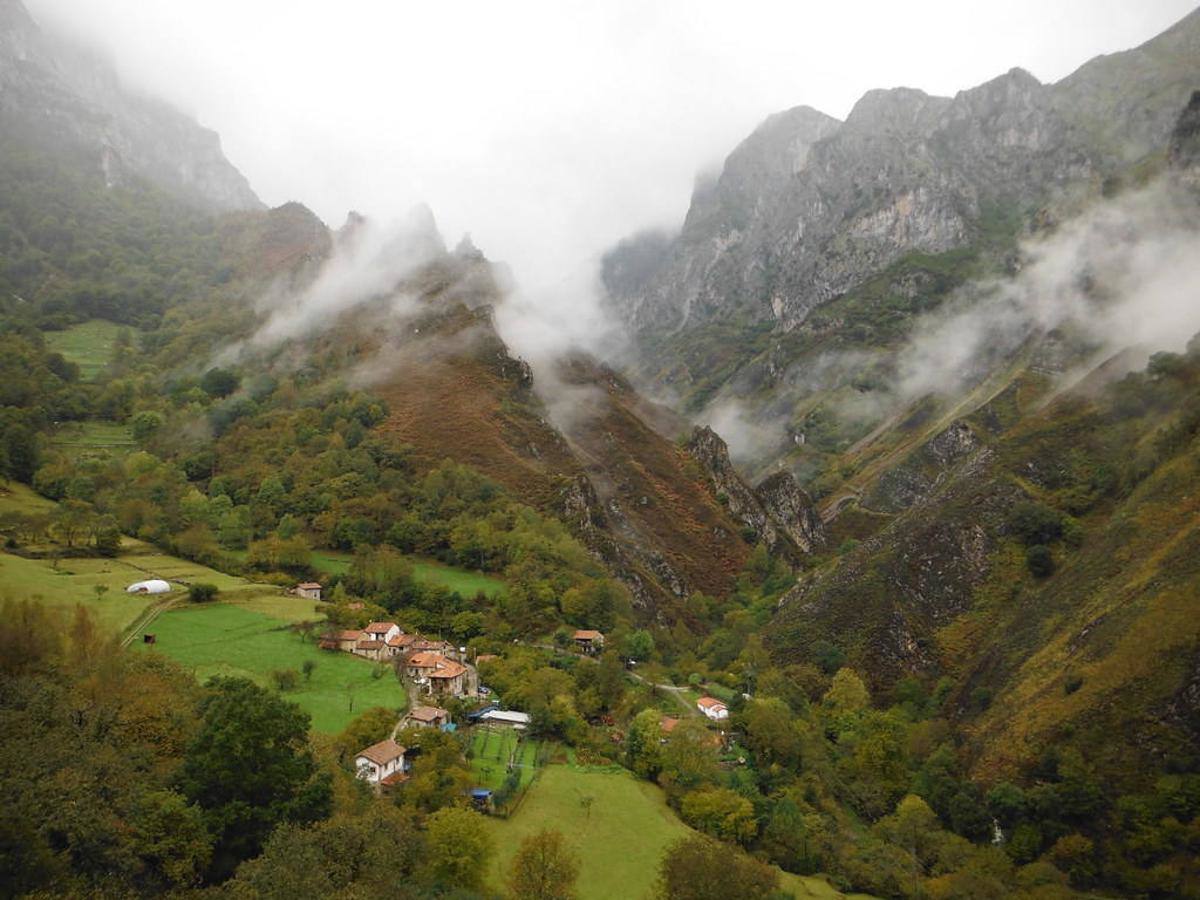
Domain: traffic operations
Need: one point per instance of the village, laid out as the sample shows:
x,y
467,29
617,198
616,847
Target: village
x,y
437,671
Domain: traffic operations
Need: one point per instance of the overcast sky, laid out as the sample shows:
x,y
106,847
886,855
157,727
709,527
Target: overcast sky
x,y
551,129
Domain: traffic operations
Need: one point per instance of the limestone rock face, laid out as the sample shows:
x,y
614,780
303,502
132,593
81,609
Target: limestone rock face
x,y
782,515
54,93
807,208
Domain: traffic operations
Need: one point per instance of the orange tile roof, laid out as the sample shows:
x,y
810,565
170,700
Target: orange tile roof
x,y
309,585
449,669
346,635
428,713
587,634
401,640
710,703
380,627
668,724
382,753
369,645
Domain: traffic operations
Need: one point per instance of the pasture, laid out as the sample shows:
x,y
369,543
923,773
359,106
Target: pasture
x,y
93,440
89,345
462,581
241,640
491,750
618,825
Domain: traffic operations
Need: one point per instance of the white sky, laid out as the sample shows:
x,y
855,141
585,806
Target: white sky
x,y
551,129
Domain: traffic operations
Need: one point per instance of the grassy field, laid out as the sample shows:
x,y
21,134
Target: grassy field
x,y
619,838
93,439
229,639
88,345
74,582
492,748
466,583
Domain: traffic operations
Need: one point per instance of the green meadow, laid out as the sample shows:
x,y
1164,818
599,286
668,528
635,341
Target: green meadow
x,y
617,824
491,750
462,581
89,345
244,640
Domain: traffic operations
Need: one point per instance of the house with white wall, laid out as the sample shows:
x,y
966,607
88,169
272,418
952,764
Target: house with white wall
x,y
382,763
713,708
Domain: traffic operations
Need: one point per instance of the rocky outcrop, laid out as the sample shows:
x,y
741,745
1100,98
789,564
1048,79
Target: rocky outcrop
x,y
792,510
57,95
1183,153
778,511
806,208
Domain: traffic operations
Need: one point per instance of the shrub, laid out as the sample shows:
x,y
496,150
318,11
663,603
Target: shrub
x,y
1035,523
1039,560
285,679
202,593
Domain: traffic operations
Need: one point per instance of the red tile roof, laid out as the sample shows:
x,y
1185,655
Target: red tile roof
x,y
382,753
710,703
380,627
346,635
668,724
401,640
309,586
588,634
369,645
394,779
428,713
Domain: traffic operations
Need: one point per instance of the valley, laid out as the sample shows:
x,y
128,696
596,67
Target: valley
x,y
854,553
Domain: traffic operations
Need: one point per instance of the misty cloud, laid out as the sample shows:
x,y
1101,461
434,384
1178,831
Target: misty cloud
x,y
1123,274
369,263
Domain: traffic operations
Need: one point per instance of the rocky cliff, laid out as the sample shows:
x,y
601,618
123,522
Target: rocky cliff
x,y
806,208
52,94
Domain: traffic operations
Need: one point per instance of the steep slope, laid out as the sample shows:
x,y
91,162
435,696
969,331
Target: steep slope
x,y
581,447
52,94
821,244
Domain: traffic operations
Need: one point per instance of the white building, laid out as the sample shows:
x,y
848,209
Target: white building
x,y
152,586
382,631
713,708
381,763
509,717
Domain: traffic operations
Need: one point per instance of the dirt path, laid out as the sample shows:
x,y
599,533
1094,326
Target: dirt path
x,y
146,619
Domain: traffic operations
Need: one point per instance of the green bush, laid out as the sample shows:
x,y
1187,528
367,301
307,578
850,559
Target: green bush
x,y
1040,560
1035,523
202,593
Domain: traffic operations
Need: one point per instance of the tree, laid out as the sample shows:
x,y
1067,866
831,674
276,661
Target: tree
x,y
458,848
771,732
286,679
1040,561
721,813
699,868
145,425
639,645
202,592
689,757
544,868
218,382
249,768
643,746
307,668
847,693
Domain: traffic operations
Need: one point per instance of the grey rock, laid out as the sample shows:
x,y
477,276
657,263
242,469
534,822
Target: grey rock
x,y
53,92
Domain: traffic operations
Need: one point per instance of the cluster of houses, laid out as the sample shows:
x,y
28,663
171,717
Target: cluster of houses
x,y
438,667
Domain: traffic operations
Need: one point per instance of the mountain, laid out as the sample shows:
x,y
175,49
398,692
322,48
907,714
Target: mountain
x,y
839,292
807,210
667,517
54,94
